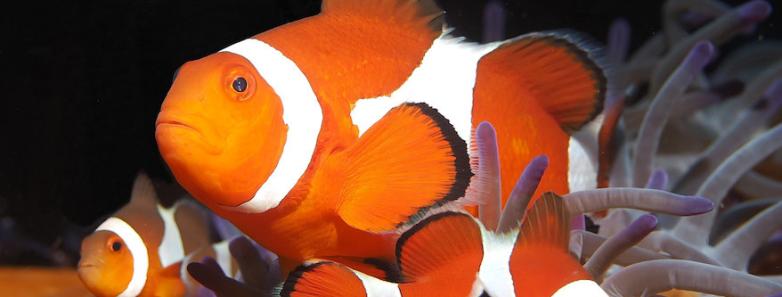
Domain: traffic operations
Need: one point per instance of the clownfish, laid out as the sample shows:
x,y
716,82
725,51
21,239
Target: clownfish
x,y
144,248
317,137
452,254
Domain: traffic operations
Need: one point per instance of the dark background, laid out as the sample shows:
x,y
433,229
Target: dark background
x,y
82,82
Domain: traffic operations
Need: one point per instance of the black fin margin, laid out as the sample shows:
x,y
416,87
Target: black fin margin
x,y
461,162
591,54
290,283
417,227
392,271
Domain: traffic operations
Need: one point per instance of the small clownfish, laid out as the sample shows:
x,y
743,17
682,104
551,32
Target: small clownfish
x,y
143,249
317,137
452,254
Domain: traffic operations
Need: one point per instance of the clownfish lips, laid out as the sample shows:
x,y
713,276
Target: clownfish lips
x,y
90,264
168,122
88,272
179,129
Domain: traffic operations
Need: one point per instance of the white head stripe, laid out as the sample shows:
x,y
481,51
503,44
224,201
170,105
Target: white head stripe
x,y
378,288
138,250
301,112
171,249
580,288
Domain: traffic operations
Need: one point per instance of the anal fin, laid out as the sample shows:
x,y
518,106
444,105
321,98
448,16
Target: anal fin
x,y
323,279
410,160
370,266
439,241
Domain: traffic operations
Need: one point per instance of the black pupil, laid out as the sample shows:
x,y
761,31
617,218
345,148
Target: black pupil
x,y
240,84
116,246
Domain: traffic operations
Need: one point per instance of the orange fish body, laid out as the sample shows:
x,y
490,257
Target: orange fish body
x,y
142,249
318,137
451,254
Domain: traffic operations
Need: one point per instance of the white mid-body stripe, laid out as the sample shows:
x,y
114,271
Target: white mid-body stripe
x,y
580,288
445,80
138,250
494,275
171,249
582,171
378,288
301,112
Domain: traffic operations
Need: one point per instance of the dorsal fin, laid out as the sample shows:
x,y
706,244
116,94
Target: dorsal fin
x,y
541,263
143,194
438,241
413,12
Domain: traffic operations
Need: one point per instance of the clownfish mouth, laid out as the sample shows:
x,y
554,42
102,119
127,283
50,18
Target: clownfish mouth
x,y
173,124
84,267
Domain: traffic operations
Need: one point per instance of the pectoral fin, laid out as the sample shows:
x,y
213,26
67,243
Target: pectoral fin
x,y
409,161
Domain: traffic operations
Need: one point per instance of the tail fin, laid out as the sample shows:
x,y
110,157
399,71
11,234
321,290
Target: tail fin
x,y
559,69
541,263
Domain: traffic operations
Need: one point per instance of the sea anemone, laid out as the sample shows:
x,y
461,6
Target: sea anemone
x,y
706,133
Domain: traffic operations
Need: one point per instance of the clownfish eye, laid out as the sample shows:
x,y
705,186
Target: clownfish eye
x,y
116,246
239,84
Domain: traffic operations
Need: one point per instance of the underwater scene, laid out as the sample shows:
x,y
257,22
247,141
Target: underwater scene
x,y
483,148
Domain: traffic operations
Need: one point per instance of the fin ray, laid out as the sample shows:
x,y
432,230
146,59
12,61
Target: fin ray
x,y
323,279
437,241
541,262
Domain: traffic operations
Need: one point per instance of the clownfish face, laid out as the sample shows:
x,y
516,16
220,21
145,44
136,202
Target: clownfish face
x,y
106,264
221,129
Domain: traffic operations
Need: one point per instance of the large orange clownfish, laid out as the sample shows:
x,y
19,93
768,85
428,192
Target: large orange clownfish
x,y
317,136
451,254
